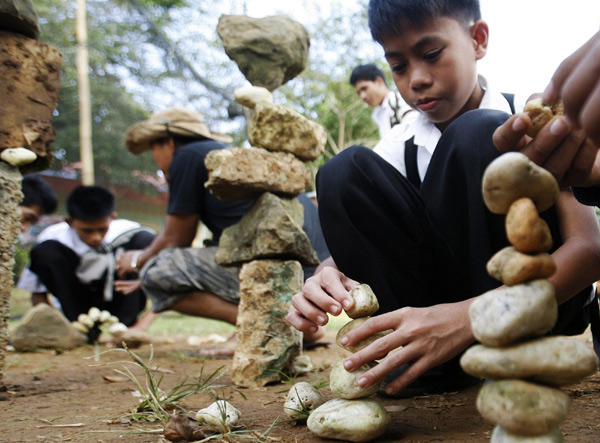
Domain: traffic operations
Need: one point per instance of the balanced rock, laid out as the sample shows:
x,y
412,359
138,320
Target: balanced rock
x,y
556,361
220,416
522,408
268,344
504,316
302,399
512,176
45,327
344,383
272,228
363,343
512,267
19,16
269,51
249,96
499,435
525,229
277,128
350,420
30,73
246,173
365,302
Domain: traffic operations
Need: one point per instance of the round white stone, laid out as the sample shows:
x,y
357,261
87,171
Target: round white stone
x,y
344,384
302,399
219,416
18,156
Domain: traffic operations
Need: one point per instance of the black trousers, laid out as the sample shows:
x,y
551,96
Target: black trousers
x,y
55,264
421,247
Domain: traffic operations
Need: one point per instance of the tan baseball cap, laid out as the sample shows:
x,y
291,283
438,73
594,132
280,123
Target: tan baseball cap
x,y
170,122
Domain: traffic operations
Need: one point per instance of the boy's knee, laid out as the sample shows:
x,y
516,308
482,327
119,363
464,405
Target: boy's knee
x,y
346,167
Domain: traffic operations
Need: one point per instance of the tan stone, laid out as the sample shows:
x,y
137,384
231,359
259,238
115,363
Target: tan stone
x,y
499,435
246,173
556,361
249,96
272,228
277,128
512,267
510,314
525,229
267,343
365,302
361,344
344,383
512,176
522,408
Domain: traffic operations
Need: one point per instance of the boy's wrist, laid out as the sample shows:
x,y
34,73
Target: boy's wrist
x,y
134,260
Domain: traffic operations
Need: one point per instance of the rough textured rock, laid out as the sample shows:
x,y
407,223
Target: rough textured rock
x,y
522,408
249,96
19,16
272,228
277,128
269,51
525,229
507,315
302,399
512,267
365,302
30,72
501,436
512,176
349,420
245,173
361,344
556,361
343,383
268,344
10,222
45,327
220,416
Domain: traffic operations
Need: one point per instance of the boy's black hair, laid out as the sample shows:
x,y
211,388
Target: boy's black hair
x,y
36,192
390,17
368,72
90,203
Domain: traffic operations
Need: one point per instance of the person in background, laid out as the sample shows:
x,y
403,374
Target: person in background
x,y
38,199
389,108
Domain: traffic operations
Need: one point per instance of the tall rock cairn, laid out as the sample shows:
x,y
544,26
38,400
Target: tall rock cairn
x,y
268,242
523,399
30,73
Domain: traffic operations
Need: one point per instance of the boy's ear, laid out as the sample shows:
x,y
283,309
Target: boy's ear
x,y
69,221
480,34
113,216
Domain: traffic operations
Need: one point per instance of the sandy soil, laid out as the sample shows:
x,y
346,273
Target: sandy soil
x,y
67,397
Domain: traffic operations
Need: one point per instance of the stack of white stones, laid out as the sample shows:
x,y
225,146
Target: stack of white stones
x,y
352,417
523,399
268,242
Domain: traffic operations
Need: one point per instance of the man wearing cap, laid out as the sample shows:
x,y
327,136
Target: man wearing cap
x,y
174,275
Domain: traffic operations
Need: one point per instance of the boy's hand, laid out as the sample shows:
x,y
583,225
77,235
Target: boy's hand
x,y
324,292
123,263
426,337
568,155
127,287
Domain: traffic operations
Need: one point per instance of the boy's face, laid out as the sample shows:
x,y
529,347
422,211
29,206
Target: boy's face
x,y
162,153
434,67
30,215
91,232
371,92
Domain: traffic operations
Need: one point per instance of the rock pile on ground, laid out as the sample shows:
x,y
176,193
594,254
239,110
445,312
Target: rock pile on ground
x,y
523,399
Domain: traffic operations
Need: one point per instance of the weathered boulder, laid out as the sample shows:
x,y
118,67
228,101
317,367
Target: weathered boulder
x,y
365,302
269,51
45,327
245,173
350,420
361,344
525,229
272,228
499,435
512,267
556,361
277,128
507,315
302,399
19,16
522,408
30,72
344,383
268,344
249,96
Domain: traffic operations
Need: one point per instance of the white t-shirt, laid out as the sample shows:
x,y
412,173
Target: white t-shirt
x,y
382,114
427,135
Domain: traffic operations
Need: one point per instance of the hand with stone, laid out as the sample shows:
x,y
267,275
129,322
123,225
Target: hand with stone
x,y
124,263
127,287
323,293
427,337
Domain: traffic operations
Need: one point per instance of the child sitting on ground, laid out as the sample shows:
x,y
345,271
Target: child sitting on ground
x,y
75,260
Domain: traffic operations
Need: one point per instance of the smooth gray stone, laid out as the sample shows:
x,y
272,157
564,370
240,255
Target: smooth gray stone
x,y
343,383
302,399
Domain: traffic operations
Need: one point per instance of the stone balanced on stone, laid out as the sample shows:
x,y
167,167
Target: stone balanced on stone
x,y
523,400
30,73
353,417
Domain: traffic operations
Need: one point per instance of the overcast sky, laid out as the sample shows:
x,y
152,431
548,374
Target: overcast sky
x,y
528,38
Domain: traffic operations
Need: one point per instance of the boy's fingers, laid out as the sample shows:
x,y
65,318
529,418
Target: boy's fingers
x,y
308,310
301,323
509,136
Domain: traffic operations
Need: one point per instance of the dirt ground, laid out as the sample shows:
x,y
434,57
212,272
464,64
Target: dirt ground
x,y
66,396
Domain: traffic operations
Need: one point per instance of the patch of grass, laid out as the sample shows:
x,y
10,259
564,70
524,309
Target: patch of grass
x,y
20,303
